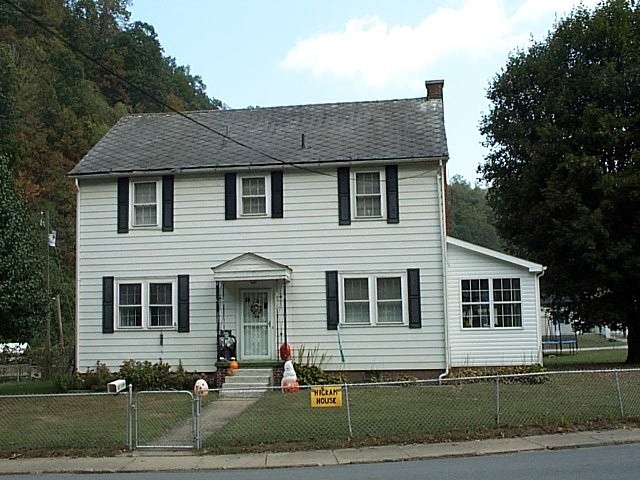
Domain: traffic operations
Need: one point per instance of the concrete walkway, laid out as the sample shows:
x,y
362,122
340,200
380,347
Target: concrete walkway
x,y
174,461
212,417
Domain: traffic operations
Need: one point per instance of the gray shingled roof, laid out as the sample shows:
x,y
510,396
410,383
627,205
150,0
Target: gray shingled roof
x,y
335,132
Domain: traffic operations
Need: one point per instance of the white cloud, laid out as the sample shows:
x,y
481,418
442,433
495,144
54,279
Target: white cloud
x,y
370,50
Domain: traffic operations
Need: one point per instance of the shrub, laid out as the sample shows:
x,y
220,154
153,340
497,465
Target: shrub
x,y
308,367
97,379
470,372
64,382
156,376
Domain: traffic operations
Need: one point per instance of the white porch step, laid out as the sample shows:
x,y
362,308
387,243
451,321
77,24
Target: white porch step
x,y
247,382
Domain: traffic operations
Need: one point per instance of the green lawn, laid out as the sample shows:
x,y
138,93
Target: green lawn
x,y
605,358
36,425
421,413
86,424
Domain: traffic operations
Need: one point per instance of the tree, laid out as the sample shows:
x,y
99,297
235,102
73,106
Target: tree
x,y
471,217
22,290
564,164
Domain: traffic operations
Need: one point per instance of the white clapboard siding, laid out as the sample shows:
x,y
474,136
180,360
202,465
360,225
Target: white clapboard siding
x,y
496,346
308,240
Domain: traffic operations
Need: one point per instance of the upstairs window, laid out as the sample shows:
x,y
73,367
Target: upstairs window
x,y
497,307
368,195
145,203
254,196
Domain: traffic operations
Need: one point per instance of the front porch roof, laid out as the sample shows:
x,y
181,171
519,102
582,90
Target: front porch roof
x,y
249,266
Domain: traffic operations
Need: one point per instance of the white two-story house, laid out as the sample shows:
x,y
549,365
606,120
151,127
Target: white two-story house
x,y
320,226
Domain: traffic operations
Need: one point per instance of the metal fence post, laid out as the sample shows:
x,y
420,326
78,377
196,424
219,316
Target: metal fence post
x,y
619,394
130,418
498,400
196,422
346,396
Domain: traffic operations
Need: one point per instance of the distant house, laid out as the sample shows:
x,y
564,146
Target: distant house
x,y
231,232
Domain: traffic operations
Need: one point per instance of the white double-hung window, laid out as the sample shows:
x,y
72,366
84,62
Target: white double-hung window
x,y
146,304
368,194
255,195
145,206
373,299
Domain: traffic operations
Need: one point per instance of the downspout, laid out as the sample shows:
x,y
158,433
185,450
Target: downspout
x,y
443,236
77,274
538,310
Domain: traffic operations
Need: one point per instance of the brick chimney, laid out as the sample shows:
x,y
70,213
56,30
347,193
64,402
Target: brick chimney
x,y
434,89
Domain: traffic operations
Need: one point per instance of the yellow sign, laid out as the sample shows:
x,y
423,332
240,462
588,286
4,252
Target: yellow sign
x,y
328,396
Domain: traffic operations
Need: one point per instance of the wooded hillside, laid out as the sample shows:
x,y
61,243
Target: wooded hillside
x,y
68,70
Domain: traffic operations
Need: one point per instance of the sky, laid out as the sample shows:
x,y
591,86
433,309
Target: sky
x,y
293,52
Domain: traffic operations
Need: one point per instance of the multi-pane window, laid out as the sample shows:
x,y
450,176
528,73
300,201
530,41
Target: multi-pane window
x,y
253,195
145,204
368,195
160,305
506,302
130,305
146,304
500,303
372,299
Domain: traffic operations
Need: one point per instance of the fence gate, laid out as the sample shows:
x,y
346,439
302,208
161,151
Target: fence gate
x,y
166,419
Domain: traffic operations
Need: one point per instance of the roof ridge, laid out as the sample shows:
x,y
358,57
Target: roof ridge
x,y
275,107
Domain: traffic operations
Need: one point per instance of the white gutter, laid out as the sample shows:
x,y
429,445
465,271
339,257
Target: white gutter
x,y
443,238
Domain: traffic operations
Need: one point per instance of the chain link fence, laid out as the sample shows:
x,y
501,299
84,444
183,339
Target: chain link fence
x,y
337,416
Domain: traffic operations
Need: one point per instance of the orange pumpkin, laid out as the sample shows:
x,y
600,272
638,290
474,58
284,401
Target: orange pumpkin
x,y
233,366
290,386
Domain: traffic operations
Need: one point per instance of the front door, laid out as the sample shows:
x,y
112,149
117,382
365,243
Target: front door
x,y
256,324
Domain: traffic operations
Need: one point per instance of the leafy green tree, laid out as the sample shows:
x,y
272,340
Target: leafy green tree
x,y
471,217
22,287
564,165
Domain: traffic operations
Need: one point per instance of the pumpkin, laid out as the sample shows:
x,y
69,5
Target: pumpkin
x,y
233,366
290,386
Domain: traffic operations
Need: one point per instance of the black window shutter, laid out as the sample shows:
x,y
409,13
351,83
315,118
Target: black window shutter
x,y
183,303
107,304
391,175
167,203
123,205
276,194
332,299
344,197
229,196
415,317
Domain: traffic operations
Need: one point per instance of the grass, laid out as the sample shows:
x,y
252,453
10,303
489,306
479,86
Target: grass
x,y
29,387
594,340
86,424
34,425
609,358
429,413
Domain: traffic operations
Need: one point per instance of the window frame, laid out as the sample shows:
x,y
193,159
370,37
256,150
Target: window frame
x,y
382,193
133,205
373,301
145,285
240,195
491,303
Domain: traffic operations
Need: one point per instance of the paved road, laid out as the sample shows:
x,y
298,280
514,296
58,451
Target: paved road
x,y
620,462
